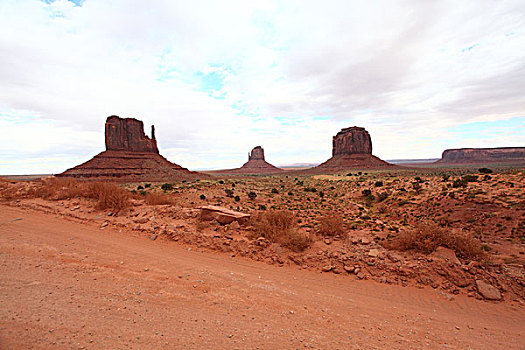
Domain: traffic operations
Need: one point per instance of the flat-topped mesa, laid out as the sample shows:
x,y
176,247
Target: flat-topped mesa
x,y
473,155
353,140
127,134
351,148
256,153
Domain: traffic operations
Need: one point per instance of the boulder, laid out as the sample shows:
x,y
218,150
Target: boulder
x,y
446,254
488,291
223,215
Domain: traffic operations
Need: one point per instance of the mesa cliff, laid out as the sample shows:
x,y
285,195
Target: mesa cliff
x,y
481,155
130,155
352,148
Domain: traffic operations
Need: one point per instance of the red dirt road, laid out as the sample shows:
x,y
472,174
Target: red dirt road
x,y
69,285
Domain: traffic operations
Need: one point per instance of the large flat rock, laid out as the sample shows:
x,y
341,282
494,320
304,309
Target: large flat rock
x,y
223,215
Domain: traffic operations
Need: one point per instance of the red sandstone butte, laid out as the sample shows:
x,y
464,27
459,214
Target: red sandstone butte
x,y
483,155
352,148
256,164
130,155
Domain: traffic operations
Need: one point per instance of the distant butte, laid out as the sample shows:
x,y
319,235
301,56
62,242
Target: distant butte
x,y
256,164
483,155
130,155
352,148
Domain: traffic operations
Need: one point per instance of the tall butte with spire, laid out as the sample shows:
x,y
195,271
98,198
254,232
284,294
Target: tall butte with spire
x,y
352,148
130,155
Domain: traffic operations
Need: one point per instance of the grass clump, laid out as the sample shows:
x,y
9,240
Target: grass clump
x,y
332,226
279,226
156,198
426,237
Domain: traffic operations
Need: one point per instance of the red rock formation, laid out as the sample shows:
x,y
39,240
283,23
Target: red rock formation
x,y
352,148
354,140
481,155
130,156
127,134
256,164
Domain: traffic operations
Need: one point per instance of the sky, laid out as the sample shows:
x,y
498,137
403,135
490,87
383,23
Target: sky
x,y
218,78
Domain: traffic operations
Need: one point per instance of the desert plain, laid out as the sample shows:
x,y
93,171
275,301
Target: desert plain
x,y
393,258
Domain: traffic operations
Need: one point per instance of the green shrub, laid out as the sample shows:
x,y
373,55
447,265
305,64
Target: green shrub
x,y
202,196
166,187
252,195
485,170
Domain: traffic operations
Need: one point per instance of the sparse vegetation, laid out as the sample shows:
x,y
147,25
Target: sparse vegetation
x,y
156,198
426,237
332,226
280,227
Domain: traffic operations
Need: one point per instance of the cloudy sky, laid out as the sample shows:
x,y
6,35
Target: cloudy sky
x,y
220,77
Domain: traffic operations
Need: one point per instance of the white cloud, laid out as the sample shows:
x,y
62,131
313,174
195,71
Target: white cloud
x,y
407,71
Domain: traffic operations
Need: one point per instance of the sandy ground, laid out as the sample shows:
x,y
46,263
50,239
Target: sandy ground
x,y
74,286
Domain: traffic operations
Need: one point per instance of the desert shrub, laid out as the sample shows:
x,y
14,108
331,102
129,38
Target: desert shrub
x,y
381,196
166,187
378,184
418,178
445,177
321,194
290,193
203,197
426,237
275,191
366,193
156,198
310,189
487,177
237,198
262,207
252,195
58,188
108,196
221,182
416,186
460,183
229,192
280,227
147,185
485,170
470,178
332,226
140,187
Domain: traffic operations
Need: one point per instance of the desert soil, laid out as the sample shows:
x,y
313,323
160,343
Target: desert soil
x,y
74,285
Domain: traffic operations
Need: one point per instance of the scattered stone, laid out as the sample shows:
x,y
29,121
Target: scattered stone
x,y
488,291
365,241
153,237
104,224
374,253
223,215
447,254
328,268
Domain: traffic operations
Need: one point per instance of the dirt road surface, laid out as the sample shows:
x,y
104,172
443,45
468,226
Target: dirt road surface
x,y
67,285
